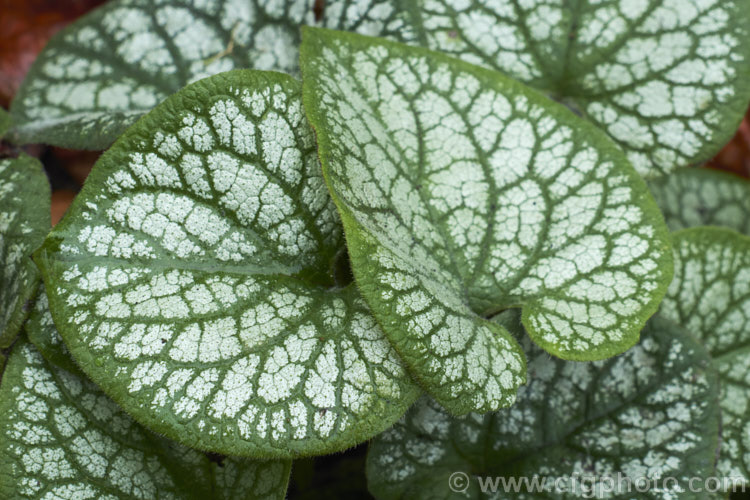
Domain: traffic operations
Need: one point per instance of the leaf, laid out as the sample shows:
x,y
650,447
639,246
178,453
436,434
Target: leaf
x,y
464,193
667,79
649,414
26,28
191,279
99,75
63,438
710,297
40,328
5,122
702,197
24,222
383,18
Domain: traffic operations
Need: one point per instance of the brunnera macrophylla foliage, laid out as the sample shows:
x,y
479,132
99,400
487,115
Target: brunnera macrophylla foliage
x,y
196,278
62,437
192,280
710,297
41,331
693,197
648,414
666,79
709,293
464,193
99,75
24,222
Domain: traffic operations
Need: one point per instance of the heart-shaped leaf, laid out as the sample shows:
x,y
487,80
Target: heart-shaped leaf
x,y
61,437
99,75
464,193
694,197
667,79
24,222
578,430
710,297
191,279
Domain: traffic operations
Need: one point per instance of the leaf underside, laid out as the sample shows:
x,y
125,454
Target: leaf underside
x,y
191,280
668,80
710,297
648,414
99,75
694,197
24,222
463,193
61,437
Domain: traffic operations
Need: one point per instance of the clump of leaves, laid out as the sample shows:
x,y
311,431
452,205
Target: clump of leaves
x,y
501,180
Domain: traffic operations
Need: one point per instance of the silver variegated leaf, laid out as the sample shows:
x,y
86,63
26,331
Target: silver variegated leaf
x,y
464,193
62,438
24,222
694,197
710,297
192,280
41,331
578,430
667,79
100,74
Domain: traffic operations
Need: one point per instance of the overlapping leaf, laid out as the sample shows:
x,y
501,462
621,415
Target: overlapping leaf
x,y
464,193
384,18
102,73
41,331
694,197
665,78
61,437
669,80
710,297
580,430
191,279
24,222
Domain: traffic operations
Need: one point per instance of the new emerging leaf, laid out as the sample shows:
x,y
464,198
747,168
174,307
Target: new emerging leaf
x,y
464,193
